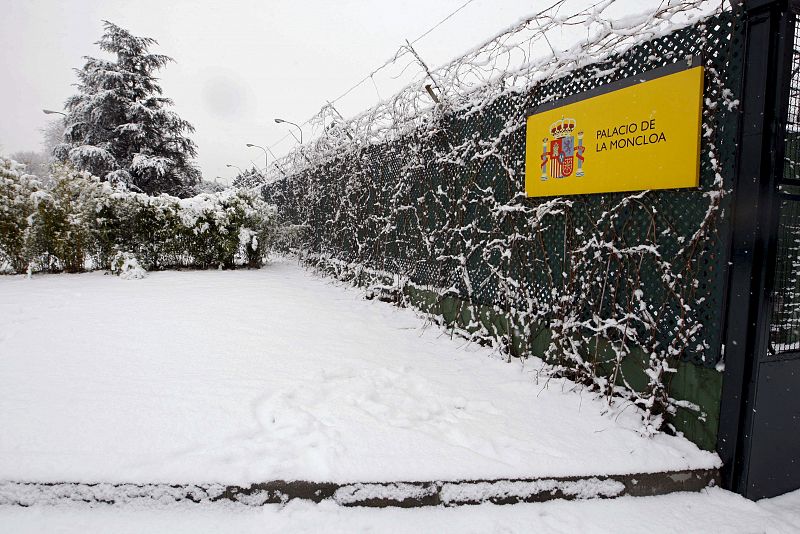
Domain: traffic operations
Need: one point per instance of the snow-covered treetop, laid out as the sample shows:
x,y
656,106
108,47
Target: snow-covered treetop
x,y
118,126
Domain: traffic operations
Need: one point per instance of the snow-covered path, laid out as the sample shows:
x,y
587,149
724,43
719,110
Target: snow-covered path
x,y
248,376
713,511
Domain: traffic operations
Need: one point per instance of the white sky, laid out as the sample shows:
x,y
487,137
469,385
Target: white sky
x,y
239,63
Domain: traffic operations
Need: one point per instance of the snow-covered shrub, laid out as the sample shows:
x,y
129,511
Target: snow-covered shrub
x,y
126,266
227,228
153,230
17,203
258,227
81,222
63,221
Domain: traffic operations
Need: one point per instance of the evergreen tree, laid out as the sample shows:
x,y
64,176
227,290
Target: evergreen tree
x,y
118,126
248,179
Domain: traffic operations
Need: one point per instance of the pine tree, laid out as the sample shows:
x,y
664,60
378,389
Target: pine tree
x,y
118,125
248,179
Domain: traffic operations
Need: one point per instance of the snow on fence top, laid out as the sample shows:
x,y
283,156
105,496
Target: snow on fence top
x,y
540,47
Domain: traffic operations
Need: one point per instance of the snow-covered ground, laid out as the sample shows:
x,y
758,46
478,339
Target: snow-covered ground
x,y
249,376
709,512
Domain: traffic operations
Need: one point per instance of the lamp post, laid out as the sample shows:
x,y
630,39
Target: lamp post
x,y
272,154
229,166
251,145
275,162
51,112
279,121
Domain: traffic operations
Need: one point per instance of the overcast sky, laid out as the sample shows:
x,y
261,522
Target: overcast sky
x,y
239,63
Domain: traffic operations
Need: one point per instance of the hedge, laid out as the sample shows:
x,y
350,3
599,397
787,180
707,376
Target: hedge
x,y
79,223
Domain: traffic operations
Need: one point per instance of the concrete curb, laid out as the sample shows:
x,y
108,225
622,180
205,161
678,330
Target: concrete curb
x,y
384,494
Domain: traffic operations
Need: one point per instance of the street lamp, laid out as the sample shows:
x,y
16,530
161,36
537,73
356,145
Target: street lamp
x,y
51,112
229,166
251,145
279,121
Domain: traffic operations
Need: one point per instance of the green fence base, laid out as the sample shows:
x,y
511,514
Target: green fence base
x,y
701,386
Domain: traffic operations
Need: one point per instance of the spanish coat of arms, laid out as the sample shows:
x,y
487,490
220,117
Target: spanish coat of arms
x,y
562,150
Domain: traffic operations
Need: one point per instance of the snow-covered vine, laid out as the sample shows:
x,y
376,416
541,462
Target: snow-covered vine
x,y
426,191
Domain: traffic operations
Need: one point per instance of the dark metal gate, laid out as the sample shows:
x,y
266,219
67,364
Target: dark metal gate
x,y
760,420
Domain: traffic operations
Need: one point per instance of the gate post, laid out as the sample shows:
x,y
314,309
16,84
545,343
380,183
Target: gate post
x,y
759,164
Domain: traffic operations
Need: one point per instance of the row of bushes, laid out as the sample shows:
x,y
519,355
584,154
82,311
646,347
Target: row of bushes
x,y
79,223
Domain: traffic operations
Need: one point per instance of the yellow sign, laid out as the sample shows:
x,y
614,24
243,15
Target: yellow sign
x,y
645,136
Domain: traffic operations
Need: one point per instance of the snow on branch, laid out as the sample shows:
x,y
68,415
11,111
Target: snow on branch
x,y
159,166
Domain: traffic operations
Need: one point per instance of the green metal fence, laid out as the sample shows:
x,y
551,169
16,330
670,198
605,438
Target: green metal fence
x,y
444,205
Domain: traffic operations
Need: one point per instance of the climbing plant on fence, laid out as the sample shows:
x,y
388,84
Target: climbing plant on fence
x,y
432,196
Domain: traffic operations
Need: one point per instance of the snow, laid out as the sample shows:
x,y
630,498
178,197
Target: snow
x,y
159,165
709,512
127,267
26,494
394,492
235,377
473,492
246,376
786,506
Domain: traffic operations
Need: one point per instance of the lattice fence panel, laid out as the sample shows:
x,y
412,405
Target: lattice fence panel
x,y
430,205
